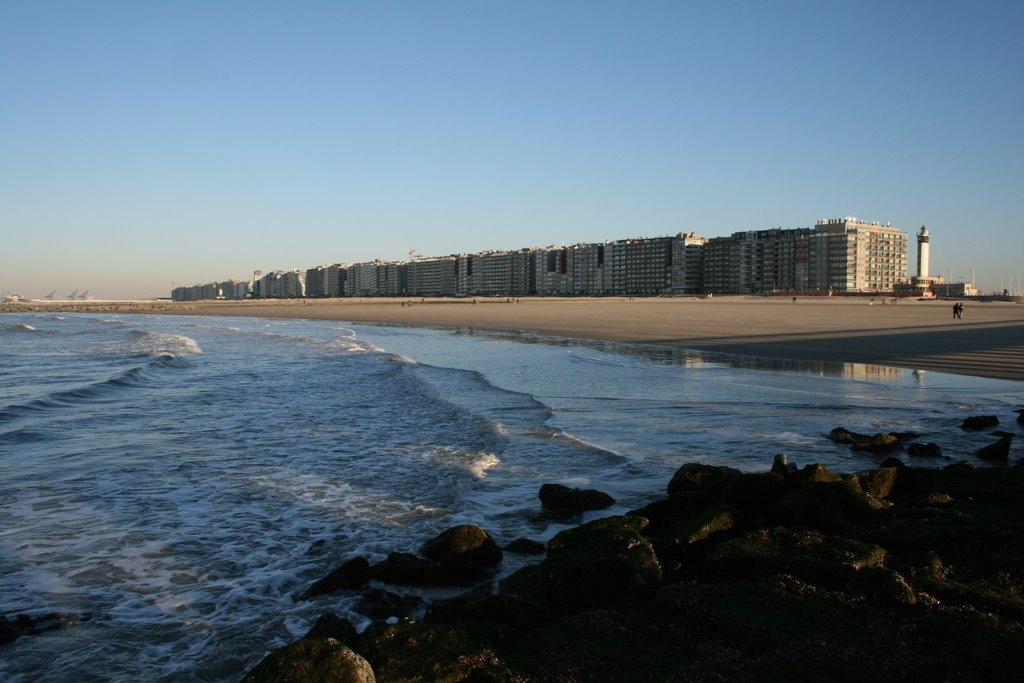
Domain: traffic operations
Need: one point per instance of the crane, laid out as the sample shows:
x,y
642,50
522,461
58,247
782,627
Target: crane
x,y
49,297
84,295
72,295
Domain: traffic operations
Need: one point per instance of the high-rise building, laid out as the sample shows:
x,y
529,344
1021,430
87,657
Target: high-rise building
x,y
433,276
843,255
863,257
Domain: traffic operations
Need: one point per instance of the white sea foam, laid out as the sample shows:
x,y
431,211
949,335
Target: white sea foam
x,y
162,344
482,464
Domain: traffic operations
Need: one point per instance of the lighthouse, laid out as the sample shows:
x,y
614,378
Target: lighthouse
x,y
922,252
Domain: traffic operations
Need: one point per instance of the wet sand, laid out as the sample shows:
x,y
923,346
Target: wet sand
x,y
921,335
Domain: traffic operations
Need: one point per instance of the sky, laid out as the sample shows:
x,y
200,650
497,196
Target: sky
x,y
150,144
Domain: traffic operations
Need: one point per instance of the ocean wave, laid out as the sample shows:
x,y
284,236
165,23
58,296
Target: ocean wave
x,y
22,436
104,389
20,327
162,344
471,391
343,343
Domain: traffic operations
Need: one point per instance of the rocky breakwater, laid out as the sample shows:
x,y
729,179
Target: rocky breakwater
x,y
891,573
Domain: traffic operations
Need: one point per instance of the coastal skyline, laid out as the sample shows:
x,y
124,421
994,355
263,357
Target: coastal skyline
x,y
142,145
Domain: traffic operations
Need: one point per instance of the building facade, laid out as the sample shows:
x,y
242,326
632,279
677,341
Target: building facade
x,y
843,255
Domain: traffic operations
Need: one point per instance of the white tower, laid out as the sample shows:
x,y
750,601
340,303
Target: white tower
x,y
922,252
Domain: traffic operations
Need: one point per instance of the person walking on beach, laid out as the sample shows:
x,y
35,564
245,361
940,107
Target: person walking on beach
x,y
958,311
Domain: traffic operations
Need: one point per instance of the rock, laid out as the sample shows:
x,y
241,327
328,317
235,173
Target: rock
x,y
665,515
843,435
814,473
318,659
352,574
806,553
377,603
709,524
754,493
892,462
438,651
979,422
924,450
814,505
1020,416
564,500
699,477
782,466
498,609
405,569
883,585
592,499
525,546
879,442
964,481
880,482
330,625
604,563
905,436
462,572
464,541
25,625
931,499
608,530
1000,450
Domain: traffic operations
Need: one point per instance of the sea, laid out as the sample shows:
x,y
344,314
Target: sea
x,y
177,482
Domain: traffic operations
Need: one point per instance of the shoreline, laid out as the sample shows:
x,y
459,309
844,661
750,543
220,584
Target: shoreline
x,y
892,573
918,335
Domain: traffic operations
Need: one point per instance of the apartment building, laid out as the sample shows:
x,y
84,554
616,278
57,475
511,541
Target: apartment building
x,y
862,256
433,277
842,255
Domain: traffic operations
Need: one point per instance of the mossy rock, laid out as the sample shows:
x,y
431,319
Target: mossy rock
x,y
812,473
666,514
782,628
812,505
880,482
963,480
754,493
606,529
806,553
711,523
700,477
884,585
878,443
604,563
314,659
442,652
982,594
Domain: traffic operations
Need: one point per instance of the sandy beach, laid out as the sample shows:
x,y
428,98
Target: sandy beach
x,y
921,335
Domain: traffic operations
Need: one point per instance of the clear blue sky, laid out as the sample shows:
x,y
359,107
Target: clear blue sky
x,y
148,142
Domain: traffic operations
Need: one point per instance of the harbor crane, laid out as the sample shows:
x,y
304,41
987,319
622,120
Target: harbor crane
x,y
84,295
73,295
49,297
